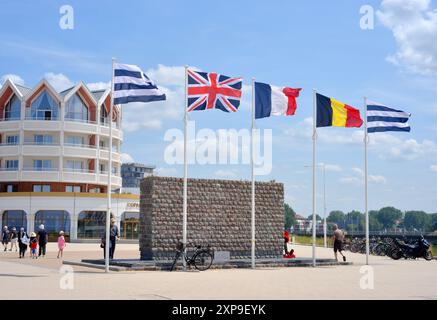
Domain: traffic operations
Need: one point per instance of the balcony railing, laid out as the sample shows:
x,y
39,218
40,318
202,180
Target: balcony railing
x,y
45,169
80,120
79,145
12,119
6,144
73,170
42,118
41,143
8,169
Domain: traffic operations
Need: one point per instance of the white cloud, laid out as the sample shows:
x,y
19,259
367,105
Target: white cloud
x,y
358,176
414,27
99,85
226,173
59,81
13,77
165,172
331,167
433,168
126,158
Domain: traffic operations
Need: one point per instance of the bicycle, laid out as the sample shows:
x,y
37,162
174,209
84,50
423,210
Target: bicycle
x,y
201,258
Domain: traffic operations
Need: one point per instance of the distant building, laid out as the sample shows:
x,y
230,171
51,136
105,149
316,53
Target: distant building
x,y
133,173
306,225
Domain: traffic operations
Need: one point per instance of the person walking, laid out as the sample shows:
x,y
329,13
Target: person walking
x,y
5,237
113,237
14,239
338,241
23,242
61,244
33,245
43,238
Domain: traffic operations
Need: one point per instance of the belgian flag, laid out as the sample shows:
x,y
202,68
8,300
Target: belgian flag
x,y
333,113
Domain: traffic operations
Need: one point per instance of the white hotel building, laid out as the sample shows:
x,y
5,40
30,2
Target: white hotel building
x,y
54,161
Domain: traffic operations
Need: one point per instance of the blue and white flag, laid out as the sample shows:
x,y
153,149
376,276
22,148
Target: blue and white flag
x,y
132,85
381,118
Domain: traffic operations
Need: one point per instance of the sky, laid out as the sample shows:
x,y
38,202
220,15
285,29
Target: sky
x,y
310,44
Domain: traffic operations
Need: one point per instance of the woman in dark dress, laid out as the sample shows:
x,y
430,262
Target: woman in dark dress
x,y
23,242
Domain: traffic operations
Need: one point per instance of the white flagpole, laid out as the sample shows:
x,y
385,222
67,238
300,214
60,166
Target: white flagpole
x,y
108,212
252,160
184,218
314,174
325,240
366,138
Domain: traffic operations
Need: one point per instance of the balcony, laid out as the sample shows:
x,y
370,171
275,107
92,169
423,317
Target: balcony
x,y
33,124
40,174
31,148
80,151
104,154
81,126
79,175
8,174
9,149
10,125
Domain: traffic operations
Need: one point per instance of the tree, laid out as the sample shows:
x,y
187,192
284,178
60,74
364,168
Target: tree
x,y
374,224
318,218
338,217
290,216
434,221
388,216
355,221
418,220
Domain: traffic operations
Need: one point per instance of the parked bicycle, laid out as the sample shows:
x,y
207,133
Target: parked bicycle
x,y
201,258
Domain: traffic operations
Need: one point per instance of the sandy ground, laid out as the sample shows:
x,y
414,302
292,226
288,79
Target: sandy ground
x,y
24,278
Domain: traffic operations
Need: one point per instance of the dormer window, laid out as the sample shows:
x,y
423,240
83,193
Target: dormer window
x,y
45,108
76,109
13,109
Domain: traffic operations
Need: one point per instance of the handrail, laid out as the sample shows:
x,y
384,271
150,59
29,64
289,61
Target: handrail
x,y
34,143
38,169
9,169
78,145
69,170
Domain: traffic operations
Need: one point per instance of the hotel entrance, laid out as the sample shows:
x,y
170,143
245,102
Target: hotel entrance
x,y
130,225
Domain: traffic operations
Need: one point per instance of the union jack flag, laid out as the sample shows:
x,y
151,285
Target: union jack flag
x,y
213,91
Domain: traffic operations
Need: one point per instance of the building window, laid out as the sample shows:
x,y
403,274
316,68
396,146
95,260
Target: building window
x,y
75,140
11,165
42,165
76,110
11,188
13,109
41,188
102,168
14,218
129,226
74,165
44,108
95,190
102,144
103,115
72,189
91,224
43,139
12,140
53,221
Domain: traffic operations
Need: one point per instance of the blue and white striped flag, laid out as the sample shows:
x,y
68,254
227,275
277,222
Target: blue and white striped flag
x,y
132,85
381,118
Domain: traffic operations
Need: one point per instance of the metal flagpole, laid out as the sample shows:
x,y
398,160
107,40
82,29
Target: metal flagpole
x,y
314,174
325,241
184,218
108,212
366,138
252,160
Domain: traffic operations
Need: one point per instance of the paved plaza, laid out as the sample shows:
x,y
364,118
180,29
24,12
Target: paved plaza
x,y
24,278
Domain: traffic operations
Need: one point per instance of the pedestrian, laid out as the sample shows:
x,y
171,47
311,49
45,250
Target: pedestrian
x,y
61,244
113,237
5,237
33,245
338,241
43,238
14,239
23,242
286,241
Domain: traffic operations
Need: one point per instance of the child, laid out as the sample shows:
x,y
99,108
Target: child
x,y
33,245
61,243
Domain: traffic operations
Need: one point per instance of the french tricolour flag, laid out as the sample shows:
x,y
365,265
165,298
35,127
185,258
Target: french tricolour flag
x,y
274,101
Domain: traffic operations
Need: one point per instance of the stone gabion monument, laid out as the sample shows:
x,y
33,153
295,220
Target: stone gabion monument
x,y
219,213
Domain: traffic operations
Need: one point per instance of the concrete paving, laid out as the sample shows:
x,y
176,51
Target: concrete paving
x,y
45,278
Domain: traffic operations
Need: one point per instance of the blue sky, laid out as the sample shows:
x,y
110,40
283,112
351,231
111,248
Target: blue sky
x,y
308,44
